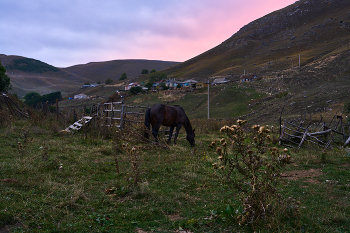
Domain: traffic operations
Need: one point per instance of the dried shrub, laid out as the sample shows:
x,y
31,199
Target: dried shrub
x,y
254,168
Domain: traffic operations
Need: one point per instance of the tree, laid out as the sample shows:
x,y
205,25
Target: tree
x,y
149,85
86,83
157,76
109,81
135,90
144,71
98,82
123,76
32,98
153,71
4,79
164,87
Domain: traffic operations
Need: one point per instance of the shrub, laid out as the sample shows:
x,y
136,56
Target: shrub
x,y
108,81
253,168
135,90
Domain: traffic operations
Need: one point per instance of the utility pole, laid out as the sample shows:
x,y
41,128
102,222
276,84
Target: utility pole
x,y
208,98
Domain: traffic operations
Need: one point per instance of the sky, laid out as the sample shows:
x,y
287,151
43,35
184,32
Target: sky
x,y
64,33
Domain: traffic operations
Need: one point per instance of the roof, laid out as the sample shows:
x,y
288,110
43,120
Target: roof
x,y
190,81
220,80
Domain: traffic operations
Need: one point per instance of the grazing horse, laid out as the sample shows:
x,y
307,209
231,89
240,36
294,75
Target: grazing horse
x,y
160,114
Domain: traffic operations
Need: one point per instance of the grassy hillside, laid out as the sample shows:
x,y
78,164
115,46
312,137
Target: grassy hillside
x,y
312,29
85,182
100,71
29,75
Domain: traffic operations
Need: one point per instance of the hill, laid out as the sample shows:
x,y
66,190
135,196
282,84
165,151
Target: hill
x,y
100,71
28,74
309,28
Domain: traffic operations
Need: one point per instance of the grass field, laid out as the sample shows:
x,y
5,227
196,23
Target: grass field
x,y
71,183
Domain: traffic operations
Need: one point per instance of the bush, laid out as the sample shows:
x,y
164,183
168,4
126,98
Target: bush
x,y
108,81
135,90
253,168
123,76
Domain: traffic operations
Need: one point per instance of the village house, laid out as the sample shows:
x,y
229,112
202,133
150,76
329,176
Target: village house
x,y
219,81
191,83
248,78
80,96
89,85
129,86
201,85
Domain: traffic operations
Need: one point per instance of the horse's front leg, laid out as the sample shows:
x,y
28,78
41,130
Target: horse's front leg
x,y
155,130
178,127
171,130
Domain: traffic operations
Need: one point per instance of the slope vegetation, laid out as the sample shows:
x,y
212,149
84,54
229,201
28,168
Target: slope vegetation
x,y
309,28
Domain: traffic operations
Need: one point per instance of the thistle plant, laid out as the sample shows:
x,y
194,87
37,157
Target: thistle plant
x,y
21,148
252,167
133,156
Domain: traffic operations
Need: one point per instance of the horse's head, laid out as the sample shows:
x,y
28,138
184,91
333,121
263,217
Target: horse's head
x,y
190,138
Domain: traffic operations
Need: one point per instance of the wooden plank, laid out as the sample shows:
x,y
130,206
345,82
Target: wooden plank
x,y
303,139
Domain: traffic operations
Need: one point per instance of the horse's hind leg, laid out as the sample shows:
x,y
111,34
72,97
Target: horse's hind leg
x,y
178,127
171,130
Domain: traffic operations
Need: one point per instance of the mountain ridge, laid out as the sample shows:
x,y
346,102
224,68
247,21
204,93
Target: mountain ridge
x,y
30,75
309,28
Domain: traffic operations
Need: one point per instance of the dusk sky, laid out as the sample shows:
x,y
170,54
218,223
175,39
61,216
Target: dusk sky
x,y
70,32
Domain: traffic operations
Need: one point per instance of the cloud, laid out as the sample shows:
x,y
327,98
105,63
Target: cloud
x,y
64,33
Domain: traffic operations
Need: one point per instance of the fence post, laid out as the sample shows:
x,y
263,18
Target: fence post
x,y
121,117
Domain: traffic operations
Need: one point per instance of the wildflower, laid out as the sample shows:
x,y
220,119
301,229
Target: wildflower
x,y
222,141
222,167
250,152
285,150
219,150
268,137
241,122
224,144
133,149
261,130
224,128
255,139
256,127
221,157
234,126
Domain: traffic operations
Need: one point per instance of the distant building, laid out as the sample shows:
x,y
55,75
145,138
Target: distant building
x,y
219,81
191,83
201,85
80,96
129,86
248,78
89,85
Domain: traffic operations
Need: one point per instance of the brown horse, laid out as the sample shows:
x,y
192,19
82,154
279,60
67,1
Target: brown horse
x,y
160,114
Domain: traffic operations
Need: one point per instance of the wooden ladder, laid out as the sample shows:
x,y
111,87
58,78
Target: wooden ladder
x,y
80,123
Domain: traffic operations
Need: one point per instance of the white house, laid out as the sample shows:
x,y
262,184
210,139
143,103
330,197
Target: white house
x,y
80,96
129,86
218,81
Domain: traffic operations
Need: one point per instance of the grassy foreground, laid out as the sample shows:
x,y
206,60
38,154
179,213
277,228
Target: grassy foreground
x,y
70,183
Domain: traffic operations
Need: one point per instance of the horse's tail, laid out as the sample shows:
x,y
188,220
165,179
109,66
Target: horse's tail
x,y
147,123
